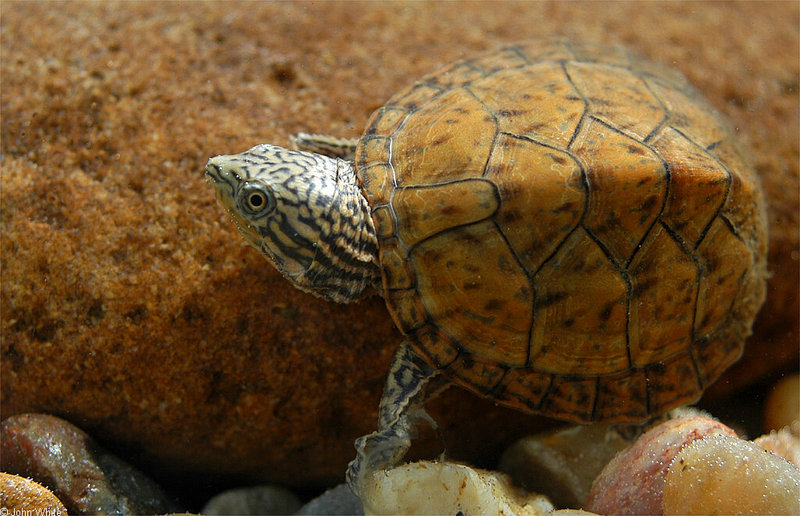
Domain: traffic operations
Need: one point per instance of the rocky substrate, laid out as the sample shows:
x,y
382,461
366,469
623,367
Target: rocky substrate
x,y
689,464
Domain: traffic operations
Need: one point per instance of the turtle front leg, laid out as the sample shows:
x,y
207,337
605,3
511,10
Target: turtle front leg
x,y
405,392
342,148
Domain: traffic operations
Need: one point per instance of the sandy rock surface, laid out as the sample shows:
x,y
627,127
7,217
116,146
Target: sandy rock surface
x,y
130,306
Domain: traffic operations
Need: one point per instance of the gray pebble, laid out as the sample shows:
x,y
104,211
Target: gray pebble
x,y
253,500
339,500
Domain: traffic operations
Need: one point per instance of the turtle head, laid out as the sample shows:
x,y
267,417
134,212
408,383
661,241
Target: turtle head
x,y
305,213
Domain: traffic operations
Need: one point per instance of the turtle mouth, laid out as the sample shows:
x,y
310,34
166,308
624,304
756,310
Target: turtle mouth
x,y
248,231
224,188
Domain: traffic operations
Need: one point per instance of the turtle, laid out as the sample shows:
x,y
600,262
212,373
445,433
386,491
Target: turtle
x,y
563,227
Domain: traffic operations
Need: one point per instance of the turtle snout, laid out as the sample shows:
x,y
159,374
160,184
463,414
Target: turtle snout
x,y
214,170
224,178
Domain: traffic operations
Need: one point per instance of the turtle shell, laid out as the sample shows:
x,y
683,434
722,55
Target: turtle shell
x,y
566,229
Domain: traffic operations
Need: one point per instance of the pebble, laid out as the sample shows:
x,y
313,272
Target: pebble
x,y
782,407
562,464
447,488
253,500
783,443
19,495
720,474
337,501
633,482
83,475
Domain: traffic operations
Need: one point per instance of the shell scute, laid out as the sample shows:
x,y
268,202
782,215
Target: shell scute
x,y
698,185
457,286
398,272
523,389
385,221
455,75
436,346
450,204
557,194
622,394
571,397
673,382
614,56
374,151
660,319
627,183
379,178
628,105
415,96
725,260
448,153
716,352
569,334
482,374
691,116
555,50
502,59
544,105
390,120
409,309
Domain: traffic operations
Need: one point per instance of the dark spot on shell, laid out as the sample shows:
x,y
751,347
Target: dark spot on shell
x,y
635,149
546,301
494,304
649,202
511,216
451,209
605,313
511,112
566,207
644,286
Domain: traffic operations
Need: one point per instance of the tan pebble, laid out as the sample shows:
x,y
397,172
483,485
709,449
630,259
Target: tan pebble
x,y
19,495
720,474
633,482
783,443
562,464
447,488
782,407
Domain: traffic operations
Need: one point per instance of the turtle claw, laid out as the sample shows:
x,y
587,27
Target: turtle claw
x,y
375,452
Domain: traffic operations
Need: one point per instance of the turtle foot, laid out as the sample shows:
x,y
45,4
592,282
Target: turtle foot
x,y
375,452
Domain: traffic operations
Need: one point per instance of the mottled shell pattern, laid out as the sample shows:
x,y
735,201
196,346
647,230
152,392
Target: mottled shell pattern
x,y
567,229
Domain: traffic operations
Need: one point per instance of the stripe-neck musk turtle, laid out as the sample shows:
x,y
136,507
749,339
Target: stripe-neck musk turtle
x,y
564,228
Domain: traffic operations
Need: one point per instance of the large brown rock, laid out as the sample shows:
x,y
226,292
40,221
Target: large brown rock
x,y
131,307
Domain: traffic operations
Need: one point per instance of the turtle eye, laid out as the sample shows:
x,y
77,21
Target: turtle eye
x,y
256,199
